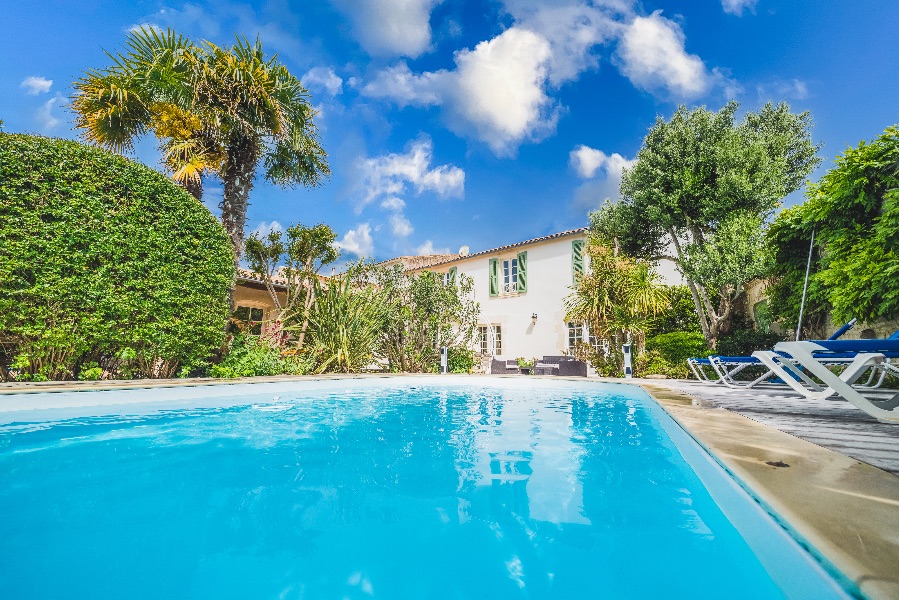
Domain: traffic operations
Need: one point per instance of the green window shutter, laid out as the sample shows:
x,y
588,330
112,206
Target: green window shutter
x,y
493,276
451,275
523,271
577,259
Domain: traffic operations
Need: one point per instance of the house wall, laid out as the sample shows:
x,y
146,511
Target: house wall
x,y
549,272
257,297
550,278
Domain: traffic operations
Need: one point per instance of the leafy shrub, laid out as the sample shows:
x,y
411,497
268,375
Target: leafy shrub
x,y
653,362
90,371
460,360
744,342
680,315
676,347
99,253
250,356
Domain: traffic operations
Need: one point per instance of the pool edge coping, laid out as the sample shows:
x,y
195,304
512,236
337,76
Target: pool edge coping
x,y
839,506
841,509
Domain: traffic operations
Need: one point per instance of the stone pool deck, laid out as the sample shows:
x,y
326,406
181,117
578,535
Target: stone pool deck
x,y
832,423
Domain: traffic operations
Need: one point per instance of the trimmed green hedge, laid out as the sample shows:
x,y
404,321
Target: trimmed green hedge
x,y
676,347
102,257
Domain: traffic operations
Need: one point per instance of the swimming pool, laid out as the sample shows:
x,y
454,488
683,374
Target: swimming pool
x,y
391,488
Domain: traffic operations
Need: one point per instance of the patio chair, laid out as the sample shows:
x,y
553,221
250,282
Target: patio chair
x,y
727,367
500,366
867,354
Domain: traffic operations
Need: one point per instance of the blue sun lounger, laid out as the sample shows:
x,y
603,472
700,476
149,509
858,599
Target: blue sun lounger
x,y
726,367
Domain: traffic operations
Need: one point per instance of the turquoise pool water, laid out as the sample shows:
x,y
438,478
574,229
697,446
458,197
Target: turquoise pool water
x,y
381,489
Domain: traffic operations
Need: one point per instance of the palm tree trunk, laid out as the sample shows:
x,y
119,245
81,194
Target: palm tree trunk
x,y
237,175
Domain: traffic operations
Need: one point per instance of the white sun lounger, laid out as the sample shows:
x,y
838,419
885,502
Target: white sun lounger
x,y
813,357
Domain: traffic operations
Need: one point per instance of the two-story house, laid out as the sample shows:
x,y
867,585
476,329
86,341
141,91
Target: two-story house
x,y
521,288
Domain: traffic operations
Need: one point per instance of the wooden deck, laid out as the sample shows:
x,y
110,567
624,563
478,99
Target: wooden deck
x,y
832,423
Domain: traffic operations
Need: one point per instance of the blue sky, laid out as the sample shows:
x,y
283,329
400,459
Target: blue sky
x,y
484,123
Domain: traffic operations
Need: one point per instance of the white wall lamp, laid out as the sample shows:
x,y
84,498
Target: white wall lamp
x,y
534,318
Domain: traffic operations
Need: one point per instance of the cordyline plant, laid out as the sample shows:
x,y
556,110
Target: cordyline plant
x,y
294,257
215,111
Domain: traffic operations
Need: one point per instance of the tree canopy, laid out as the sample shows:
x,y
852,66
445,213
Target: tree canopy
x,y
854,212
101,257
215,110
702,174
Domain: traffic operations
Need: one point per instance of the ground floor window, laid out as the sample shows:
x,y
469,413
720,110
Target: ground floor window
x,y
575,335
251,318
484,336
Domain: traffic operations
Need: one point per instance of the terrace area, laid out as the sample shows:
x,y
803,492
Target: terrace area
x,y
832,423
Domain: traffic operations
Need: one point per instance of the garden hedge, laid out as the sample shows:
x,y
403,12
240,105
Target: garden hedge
x,y
102,257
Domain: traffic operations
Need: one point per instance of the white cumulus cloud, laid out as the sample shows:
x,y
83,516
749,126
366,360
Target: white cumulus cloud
x,y
586,161
393,203
389,176
400,225
653,57
603,171
495,94
573,29
45,117
499,91
35,84
775,91
399,84
428,248
735,7
391,27
357,241
323,78
263,229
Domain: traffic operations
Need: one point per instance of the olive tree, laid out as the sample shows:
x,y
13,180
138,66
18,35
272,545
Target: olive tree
x,y
701,172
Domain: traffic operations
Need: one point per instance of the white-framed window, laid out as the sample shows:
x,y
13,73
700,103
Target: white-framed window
x,y
484,336
575,334
509,283
251,318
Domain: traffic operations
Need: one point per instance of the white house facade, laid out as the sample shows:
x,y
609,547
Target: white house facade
x,y
521,289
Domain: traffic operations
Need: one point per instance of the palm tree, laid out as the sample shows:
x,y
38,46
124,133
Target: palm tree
x,y
215,110
619,296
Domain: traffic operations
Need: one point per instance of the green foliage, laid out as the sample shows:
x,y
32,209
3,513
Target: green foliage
x,y
653,362
295,257
251,356
423,315
619,298
460,360
90,371
676,347
736,253
744,342
680,314
854,212
216,110
99,254
526,363
345,324
700,178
